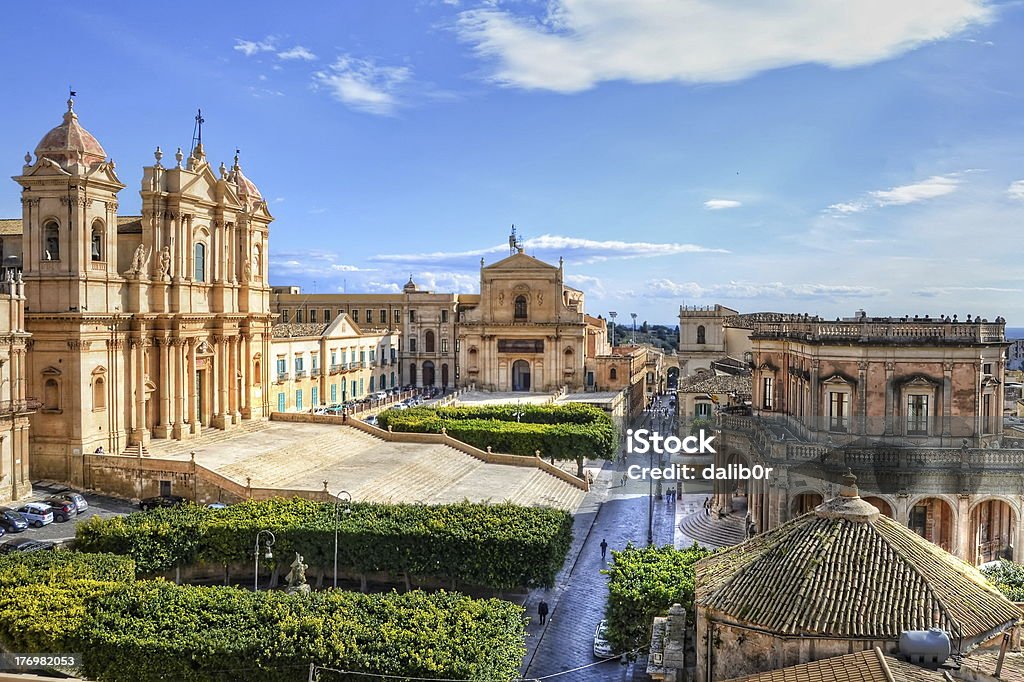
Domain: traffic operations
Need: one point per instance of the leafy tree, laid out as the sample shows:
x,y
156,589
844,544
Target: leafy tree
x,y
645,582
1007,577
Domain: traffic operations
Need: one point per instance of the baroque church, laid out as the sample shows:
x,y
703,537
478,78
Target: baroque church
x,y
136,327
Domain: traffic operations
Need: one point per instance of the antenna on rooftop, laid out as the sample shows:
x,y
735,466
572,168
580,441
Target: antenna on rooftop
x,y
515,242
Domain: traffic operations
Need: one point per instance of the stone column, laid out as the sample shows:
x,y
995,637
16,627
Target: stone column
x,y
178,373
163,429
817,405
193,390
220,379
139,432
862,396
236,415
245,364
965,540
890,370
947,403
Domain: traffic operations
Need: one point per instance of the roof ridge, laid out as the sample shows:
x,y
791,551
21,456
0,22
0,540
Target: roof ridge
x,y
884,665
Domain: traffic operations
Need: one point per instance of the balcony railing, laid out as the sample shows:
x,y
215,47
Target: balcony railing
x,y
300,373
315,372
336,367
282,377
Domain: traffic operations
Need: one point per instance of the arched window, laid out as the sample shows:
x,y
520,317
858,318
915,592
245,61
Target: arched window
x,y
613,373
520,307
257,373
412,344
700,334
99,394
200,262
51,241
428,341
51,395
96,251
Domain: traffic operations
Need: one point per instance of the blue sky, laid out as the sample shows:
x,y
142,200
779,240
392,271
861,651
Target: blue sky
x,y
816,156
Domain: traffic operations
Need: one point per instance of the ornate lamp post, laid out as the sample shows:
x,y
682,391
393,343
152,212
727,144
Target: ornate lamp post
x,y
267,544
337,523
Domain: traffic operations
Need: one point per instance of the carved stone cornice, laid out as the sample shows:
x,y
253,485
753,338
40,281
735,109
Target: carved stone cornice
x,y
29,201
112,205
115,344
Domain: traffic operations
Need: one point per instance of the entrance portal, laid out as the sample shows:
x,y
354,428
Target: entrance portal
x,y
520,375
428,373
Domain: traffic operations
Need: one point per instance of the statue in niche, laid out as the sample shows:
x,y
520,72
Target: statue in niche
x,y
165,262
139,260
247,272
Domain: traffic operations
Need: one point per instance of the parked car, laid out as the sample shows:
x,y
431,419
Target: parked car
x,y
24,545
36,513
2,532
12,521
381,395
371,420
75,497
602,649
62,509
161,501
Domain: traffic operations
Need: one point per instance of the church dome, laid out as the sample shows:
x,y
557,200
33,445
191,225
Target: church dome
x,y
70,142
410,286
844,571
246,188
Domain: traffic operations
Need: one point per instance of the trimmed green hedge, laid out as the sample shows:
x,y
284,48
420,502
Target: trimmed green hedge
x,y
569,432
63,566
1007,577
500,546
154,630
645,582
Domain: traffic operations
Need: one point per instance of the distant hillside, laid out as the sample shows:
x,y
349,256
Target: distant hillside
x,y
658,335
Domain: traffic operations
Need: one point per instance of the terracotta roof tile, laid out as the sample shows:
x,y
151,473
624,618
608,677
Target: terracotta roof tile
x,y
842,578
863,666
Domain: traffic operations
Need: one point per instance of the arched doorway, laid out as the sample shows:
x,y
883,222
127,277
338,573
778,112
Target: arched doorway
x,y
520,375
805,502
932,519
412,374
993,525
883,507
444,375
428,373
672,377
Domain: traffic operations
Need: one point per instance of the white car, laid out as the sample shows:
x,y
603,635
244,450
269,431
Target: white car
x,y
37,515
602,649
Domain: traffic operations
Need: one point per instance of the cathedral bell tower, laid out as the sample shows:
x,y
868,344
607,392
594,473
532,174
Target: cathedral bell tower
x,y
69,214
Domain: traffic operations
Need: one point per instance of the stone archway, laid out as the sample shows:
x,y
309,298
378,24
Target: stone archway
x,y
993,531
444,376
805,502
428,373
933,519
520,375
883,507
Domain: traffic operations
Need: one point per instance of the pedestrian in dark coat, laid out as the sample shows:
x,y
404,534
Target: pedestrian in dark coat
x,y
604,548
542,611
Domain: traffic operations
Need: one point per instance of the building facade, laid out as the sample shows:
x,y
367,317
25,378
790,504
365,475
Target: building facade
x,y
15,406
325,364
151,326
912,406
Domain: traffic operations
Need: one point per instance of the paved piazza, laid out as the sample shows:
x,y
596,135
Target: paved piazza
x,y
297,455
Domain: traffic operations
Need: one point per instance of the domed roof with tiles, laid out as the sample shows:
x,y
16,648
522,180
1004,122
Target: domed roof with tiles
x,y
70,141
246,188
844,571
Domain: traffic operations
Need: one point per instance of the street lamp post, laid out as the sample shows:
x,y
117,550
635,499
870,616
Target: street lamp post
x,y
267,544
337,523
613,315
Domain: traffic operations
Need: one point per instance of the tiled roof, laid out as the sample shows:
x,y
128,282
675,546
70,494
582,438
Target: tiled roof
x,y
984,661
10,226
870,665
838,577
286,330
726,383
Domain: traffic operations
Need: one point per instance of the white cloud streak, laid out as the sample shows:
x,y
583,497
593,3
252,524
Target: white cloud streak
x,y
362,84
901,195
577,44
251,48
720,204
297,52
1016,190
666,288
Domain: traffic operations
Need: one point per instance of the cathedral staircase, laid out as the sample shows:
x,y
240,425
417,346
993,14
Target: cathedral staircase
x,y
712,532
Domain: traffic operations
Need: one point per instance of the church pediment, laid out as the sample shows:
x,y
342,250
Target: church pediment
x,y
105,173
520,261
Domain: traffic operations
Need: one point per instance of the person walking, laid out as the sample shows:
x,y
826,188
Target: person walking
x,y
542,611
604,548
707,506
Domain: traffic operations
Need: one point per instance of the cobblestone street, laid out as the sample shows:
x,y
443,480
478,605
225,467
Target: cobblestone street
x,y
578,600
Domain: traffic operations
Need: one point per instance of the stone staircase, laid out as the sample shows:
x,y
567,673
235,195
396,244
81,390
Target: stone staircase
x,y
162,447
712,532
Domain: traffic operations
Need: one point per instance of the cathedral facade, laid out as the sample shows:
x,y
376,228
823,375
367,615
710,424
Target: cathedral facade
x,y
151,326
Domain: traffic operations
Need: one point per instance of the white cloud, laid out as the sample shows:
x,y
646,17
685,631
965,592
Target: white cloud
x,y
362,84
377,287
719,204
550,247
312,263
901,195
251,47
297,52
1016,190
586,283
577,44
457,282
666,288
